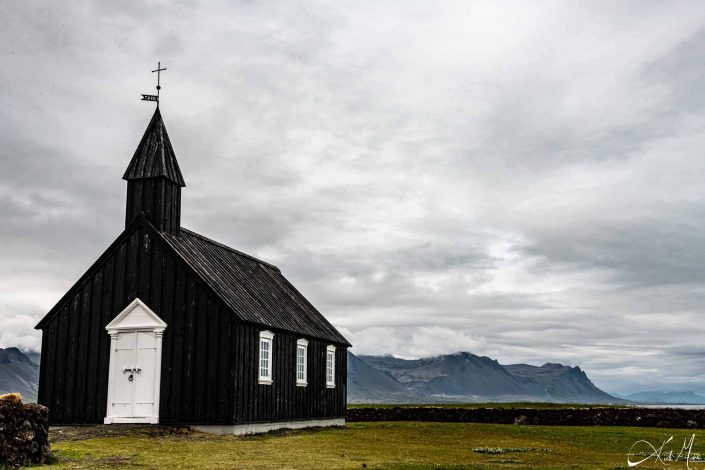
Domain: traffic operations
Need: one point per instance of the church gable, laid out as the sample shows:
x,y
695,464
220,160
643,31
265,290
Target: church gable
x,y
76,345
136,316
137,265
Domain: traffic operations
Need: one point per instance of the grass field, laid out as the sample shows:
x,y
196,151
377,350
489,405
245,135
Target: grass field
x,y
395,445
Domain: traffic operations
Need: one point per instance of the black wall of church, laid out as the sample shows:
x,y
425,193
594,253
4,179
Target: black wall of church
x,y
159,199
283,400
209,358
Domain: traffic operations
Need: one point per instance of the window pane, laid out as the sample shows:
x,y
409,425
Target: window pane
x,y
264,348
329,367
300,364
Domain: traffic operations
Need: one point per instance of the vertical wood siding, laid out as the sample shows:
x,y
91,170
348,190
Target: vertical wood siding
x,y
283,400
159,199
209,358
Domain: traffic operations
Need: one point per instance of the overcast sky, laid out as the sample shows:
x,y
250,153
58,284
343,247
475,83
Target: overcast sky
x,y
523,180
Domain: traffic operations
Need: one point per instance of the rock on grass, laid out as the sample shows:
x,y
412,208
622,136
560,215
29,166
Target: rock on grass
x,y
24,432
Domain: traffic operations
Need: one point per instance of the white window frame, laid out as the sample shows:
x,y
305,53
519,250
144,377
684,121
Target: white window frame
x,y
302,344
330,350
268,337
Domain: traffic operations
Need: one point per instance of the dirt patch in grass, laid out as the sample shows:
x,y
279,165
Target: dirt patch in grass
x,y
79,433
114,461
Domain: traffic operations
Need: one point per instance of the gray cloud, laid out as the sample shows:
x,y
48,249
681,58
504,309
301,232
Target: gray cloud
x,y
517,180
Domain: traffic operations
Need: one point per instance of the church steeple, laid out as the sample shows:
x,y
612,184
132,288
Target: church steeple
x,y
154,179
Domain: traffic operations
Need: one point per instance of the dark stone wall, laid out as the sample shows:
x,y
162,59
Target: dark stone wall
x,y
24,433
642,417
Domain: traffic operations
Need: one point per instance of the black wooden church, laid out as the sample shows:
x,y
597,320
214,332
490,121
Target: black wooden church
x,y
168,326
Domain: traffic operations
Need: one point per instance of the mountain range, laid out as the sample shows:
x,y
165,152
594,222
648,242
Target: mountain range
x,y
451,378
18,373
658,397
465,377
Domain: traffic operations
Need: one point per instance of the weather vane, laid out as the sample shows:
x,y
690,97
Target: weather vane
x,y
155,97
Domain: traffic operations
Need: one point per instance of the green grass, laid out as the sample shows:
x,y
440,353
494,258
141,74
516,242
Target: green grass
x,y
393,445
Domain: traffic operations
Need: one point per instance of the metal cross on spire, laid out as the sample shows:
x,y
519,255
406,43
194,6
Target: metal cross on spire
x,y
159,87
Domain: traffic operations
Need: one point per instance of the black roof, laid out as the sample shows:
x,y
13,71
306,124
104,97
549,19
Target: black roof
x,y
256,291
253,289
154,156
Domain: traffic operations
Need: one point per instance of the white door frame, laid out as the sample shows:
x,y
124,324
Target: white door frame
x,y
134,318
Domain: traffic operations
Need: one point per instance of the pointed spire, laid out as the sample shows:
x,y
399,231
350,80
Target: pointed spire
x,y
154,156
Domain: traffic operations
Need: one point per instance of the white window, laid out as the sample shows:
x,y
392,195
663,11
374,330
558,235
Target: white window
x,y
301,362
265,357
330,366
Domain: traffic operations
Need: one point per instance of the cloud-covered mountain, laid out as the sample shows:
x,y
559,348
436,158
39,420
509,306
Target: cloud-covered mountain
x,y
460,377
563,383
465,377
367,384
18,374
657,397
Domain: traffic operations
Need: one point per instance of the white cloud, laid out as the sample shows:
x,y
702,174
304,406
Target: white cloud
x,y
520,180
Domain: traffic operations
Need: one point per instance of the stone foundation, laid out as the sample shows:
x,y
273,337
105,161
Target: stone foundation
x,y
256,428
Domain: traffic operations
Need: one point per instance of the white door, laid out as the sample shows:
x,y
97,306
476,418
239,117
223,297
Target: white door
x,y
134,376
123,391
135,365
144,382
